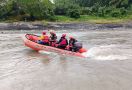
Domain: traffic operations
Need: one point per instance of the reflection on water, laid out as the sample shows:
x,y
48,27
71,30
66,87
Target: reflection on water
x,y
108,65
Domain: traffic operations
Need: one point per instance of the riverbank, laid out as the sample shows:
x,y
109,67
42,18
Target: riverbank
x,y
94,19
64,22
43,25
82,19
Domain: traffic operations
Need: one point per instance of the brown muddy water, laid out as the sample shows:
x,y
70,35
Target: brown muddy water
x,y
108,65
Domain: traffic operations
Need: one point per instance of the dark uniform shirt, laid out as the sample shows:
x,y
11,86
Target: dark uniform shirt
x,y
72,42
53,37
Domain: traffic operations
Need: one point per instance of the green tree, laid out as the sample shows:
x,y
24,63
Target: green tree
x,y
30,9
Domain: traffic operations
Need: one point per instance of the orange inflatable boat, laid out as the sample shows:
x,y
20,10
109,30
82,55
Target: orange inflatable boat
x,y
30,41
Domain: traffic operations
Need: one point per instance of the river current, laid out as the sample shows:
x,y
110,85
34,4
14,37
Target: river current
x,y
108,65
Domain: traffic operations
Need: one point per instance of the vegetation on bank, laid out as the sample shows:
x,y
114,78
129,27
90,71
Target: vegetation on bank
x,y
96,11
93,19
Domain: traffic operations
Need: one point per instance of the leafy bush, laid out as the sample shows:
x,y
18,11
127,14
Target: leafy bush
x,y
27,9
60,11
123,11
86,11
116,13
73,13
101,12
108,10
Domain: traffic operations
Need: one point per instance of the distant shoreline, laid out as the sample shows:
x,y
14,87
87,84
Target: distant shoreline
x,y
94,19
38,25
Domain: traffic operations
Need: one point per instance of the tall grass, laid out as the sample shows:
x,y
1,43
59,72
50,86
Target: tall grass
x,y
94,19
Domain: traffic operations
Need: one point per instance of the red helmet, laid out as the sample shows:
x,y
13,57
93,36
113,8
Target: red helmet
x,y
63,35
71,37
43,32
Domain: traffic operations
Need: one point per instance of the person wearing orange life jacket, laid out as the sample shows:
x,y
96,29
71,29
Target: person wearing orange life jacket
x,y
44,39
53,38
63,42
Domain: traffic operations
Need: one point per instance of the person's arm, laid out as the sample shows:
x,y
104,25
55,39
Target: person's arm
x,y
59,40
74,41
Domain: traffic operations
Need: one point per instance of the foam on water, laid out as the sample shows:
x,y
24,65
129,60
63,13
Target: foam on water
x,y
48,53
108,52
44,52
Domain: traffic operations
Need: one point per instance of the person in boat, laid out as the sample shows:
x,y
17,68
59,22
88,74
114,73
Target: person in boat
x,y
63,42
71,45
77,47
44,39
52,39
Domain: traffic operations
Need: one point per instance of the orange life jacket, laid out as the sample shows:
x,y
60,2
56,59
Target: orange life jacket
x,y
45,38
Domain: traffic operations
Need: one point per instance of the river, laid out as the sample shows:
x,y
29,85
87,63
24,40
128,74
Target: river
x,y
108,65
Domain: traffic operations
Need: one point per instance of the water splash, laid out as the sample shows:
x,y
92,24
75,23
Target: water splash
x,y
44,52
108,52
